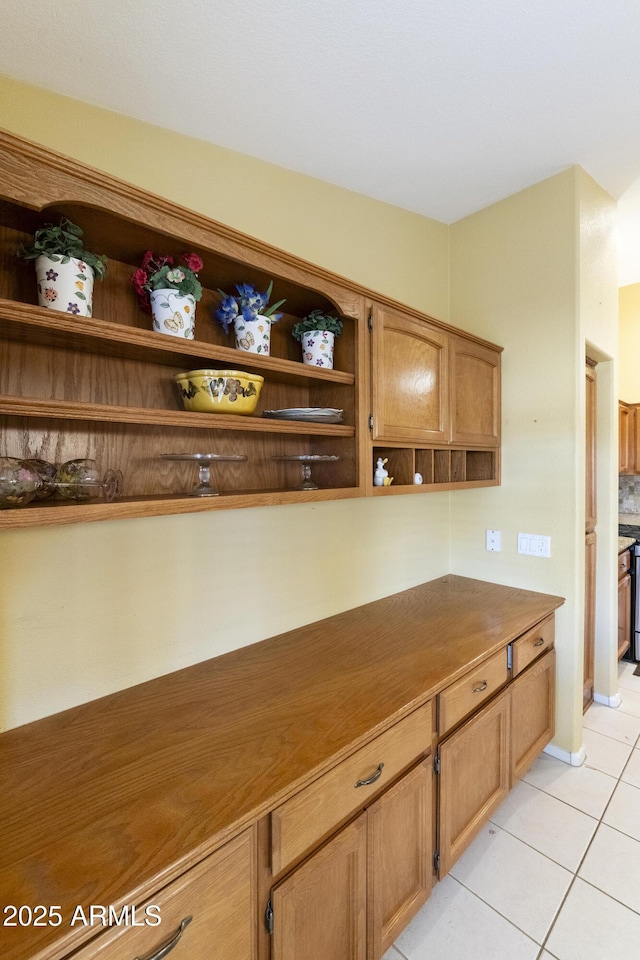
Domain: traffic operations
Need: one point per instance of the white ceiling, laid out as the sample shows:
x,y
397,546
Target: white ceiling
x,y
438,106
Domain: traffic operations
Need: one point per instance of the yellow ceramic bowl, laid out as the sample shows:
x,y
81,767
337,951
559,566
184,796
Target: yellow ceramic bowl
x,y
219,391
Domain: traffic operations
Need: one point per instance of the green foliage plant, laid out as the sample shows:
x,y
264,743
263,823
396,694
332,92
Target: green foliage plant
x,y
317,320
61,242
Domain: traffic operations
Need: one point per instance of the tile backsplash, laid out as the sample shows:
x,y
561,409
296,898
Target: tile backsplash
x,y
629,494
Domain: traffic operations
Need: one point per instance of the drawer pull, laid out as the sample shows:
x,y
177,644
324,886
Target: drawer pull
x,y
170,944
372,779
539,642
483,686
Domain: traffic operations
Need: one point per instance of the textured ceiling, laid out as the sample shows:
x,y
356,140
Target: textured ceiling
x,y
438,106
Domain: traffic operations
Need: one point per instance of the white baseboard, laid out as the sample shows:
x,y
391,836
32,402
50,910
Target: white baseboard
x,y
574,759
613,701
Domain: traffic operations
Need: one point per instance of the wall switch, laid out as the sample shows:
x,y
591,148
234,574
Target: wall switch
x,y
493,540
534,545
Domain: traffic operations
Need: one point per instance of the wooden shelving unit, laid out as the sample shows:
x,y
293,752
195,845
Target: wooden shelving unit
x,y
103,387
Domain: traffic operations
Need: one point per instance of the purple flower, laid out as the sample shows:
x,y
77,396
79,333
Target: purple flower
x,y
51,275
73,308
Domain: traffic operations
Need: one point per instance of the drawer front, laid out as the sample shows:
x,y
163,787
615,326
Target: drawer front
x,y
531,644
471,691
624,563
302,822
216,894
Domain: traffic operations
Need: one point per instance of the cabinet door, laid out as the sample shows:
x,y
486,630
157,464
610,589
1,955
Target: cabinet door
x,y
627,417
473,778
533,698
475,393
400,856
409,378
624,614
211,904
319,909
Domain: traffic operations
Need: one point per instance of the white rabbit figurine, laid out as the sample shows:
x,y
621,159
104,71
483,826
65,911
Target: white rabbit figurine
x,y
380,473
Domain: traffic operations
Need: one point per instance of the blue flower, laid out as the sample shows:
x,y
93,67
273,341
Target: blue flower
x,y
227,312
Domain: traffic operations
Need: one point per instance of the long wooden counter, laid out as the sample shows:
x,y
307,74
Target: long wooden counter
x,y
106,802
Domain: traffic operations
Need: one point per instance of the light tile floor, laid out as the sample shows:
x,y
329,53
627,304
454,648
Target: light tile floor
x,y
555,875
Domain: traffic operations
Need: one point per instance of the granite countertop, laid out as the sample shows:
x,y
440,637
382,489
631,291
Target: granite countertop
x,y
624,543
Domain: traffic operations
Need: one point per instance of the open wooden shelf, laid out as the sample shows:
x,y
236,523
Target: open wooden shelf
x,y
55,512
71,410
27,323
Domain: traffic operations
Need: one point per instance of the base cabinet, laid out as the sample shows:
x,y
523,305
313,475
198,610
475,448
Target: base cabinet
x,y
400,857
351,899
624,603
473,778
482,760
533,698
212,903
319,911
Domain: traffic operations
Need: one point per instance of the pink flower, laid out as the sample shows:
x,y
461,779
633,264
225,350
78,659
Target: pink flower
x,y
50,293
193,261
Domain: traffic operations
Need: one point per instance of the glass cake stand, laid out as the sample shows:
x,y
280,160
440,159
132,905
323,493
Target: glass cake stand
x,y
204,461
307,460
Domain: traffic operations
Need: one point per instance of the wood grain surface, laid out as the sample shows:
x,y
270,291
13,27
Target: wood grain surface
x,y
108,801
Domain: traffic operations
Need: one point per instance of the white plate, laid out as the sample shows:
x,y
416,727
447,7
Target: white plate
x,y
316,414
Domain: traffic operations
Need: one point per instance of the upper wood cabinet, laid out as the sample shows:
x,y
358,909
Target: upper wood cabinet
x,y
410,381
435,402
475,393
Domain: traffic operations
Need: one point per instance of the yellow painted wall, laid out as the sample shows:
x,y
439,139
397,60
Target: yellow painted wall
x,y
629,363
92,608
518,269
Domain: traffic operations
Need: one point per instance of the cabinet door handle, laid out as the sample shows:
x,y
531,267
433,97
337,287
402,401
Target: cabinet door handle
x,y
372,779
539,642
169,945
483,686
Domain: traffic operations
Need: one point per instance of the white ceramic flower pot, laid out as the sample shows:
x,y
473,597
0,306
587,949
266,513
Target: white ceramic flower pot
x,y
317,348
253,336
67,287
173,313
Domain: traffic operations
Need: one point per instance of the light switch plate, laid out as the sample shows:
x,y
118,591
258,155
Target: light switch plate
x,y
534,545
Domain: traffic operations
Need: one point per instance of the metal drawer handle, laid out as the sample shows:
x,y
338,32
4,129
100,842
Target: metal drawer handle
x,y
539,642
170,944
483,686
377,773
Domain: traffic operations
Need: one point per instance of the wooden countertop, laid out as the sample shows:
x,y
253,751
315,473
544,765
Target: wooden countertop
x,y
106,802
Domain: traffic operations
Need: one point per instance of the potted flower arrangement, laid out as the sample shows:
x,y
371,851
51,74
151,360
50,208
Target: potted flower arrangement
x,y
65,271
250,315
317,333
169,292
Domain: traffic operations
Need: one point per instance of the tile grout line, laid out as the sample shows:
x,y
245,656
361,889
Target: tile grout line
x,y
600,821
